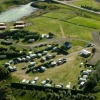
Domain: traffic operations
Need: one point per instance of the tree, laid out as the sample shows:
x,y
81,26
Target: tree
x,y
3,73
93,50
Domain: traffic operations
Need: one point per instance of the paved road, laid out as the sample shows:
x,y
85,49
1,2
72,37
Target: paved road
x,y
65,2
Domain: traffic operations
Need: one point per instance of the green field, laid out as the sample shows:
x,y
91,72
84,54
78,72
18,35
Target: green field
x,y
65,22
92,3
85,22
46,24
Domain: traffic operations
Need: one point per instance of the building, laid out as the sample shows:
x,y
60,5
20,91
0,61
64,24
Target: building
x,y
2,24
67,45
2,27
85,53
19,26
19,23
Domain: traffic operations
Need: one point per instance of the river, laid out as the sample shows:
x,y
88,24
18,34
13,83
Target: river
x,y
16,13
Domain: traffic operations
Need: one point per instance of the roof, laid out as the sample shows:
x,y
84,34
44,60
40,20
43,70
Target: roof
x,y
85,52
2,23
2,26
18,26
67,44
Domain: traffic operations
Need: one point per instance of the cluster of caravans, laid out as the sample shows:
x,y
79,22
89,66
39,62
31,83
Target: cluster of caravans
x,y
46,83
50,64
44,56
82,79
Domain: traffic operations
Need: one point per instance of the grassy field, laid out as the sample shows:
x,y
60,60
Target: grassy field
x,y
63,22
92,3
45,25
85,22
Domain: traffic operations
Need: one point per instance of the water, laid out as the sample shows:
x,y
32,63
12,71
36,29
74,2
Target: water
x,y
16,13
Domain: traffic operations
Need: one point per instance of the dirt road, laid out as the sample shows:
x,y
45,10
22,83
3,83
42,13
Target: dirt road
x,y
96,40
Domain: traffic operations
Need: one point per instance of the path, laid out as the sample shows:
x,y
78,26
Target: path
x,y
96,56
62,31
65,3
59,40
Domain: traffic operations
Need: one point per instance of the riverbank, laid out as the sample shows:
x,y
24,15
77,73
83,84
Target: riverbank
x,y
16,13
6,5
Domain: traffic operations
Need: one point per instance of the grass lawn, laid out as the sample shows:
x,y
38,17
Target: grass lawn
x,y
92,3
45,25
72,30
85,22
60,15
